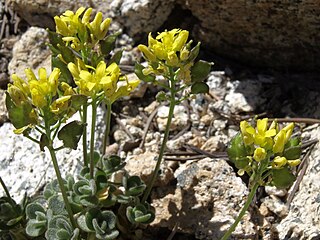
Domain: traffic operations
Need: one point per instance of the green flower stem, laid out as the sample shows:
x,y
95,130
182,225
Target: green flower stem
x,y
6,191
243,211
58,174
61,185
107,130
164,143
93,126
84,135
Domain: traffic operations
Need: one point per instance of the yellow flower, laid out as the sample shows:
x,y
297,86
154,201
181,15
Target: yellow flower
x,y
99,28
288,129
69,24
165,47
42,89
147,53
17,95
294,163
60,105
259,154
262,136
279,162
247,132
279,142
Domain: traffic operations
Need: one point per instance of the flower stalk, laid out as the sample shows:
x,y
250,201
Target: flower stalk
x,y
164,141
242,212
93,127
58,174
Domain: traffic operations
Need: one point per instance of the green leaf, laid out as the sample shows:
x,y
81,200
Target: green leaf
x,y
134,186
44,142
116,57
194,53
112,164
162,96
35,228
77,101
138,71
71,133
108,44
83,224
236,148
199,87
292,153
20,116
56,204
200,71
282,178
65,73
32,209
140,214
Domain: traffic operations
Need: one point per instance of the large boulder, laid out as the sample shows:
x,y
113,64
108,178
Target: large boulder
x,y
277,34
280,34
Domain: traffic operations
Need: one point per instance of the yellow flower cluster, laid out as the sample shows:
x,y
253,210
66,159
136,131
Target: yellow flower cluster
x,y
39,91
73,28
265,140
168,49
92,82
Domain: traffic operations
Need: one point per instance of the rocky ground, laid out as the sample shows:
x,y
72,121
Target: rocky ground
x,y
198,193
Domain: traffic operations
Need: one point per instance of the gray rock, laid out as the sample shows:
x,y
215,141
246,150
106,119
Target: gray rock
x,y
205,202
303,220
3,109
141,16
41,12
179,120
24,168
30,51
273,33
143,165
279,34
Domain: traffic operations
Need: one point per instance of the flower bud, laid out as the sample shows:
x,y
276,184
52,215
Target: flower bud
x,y
279,162
147,53
294,163
259,154
279,142
180,41
86,16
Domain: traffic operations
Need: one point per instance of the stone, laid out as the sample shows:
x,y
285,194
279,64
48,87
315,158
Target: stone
x,y
179,120
3,109
271,190
24,168
213,144
276,206
276,34
30,51
41,12
303,219
143,165
280,34
205,201
141,16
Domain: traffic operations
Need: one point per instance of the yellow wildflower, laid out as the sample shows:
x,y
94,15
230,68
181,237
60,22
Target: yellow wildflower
x,y
293,163
259,154
99,28
262,136
17,95
247,132
60,105
279,162
165,47
69,24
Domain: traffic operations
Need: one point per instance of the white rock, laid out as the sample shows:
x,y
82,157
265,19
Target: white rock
x,y
303,220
